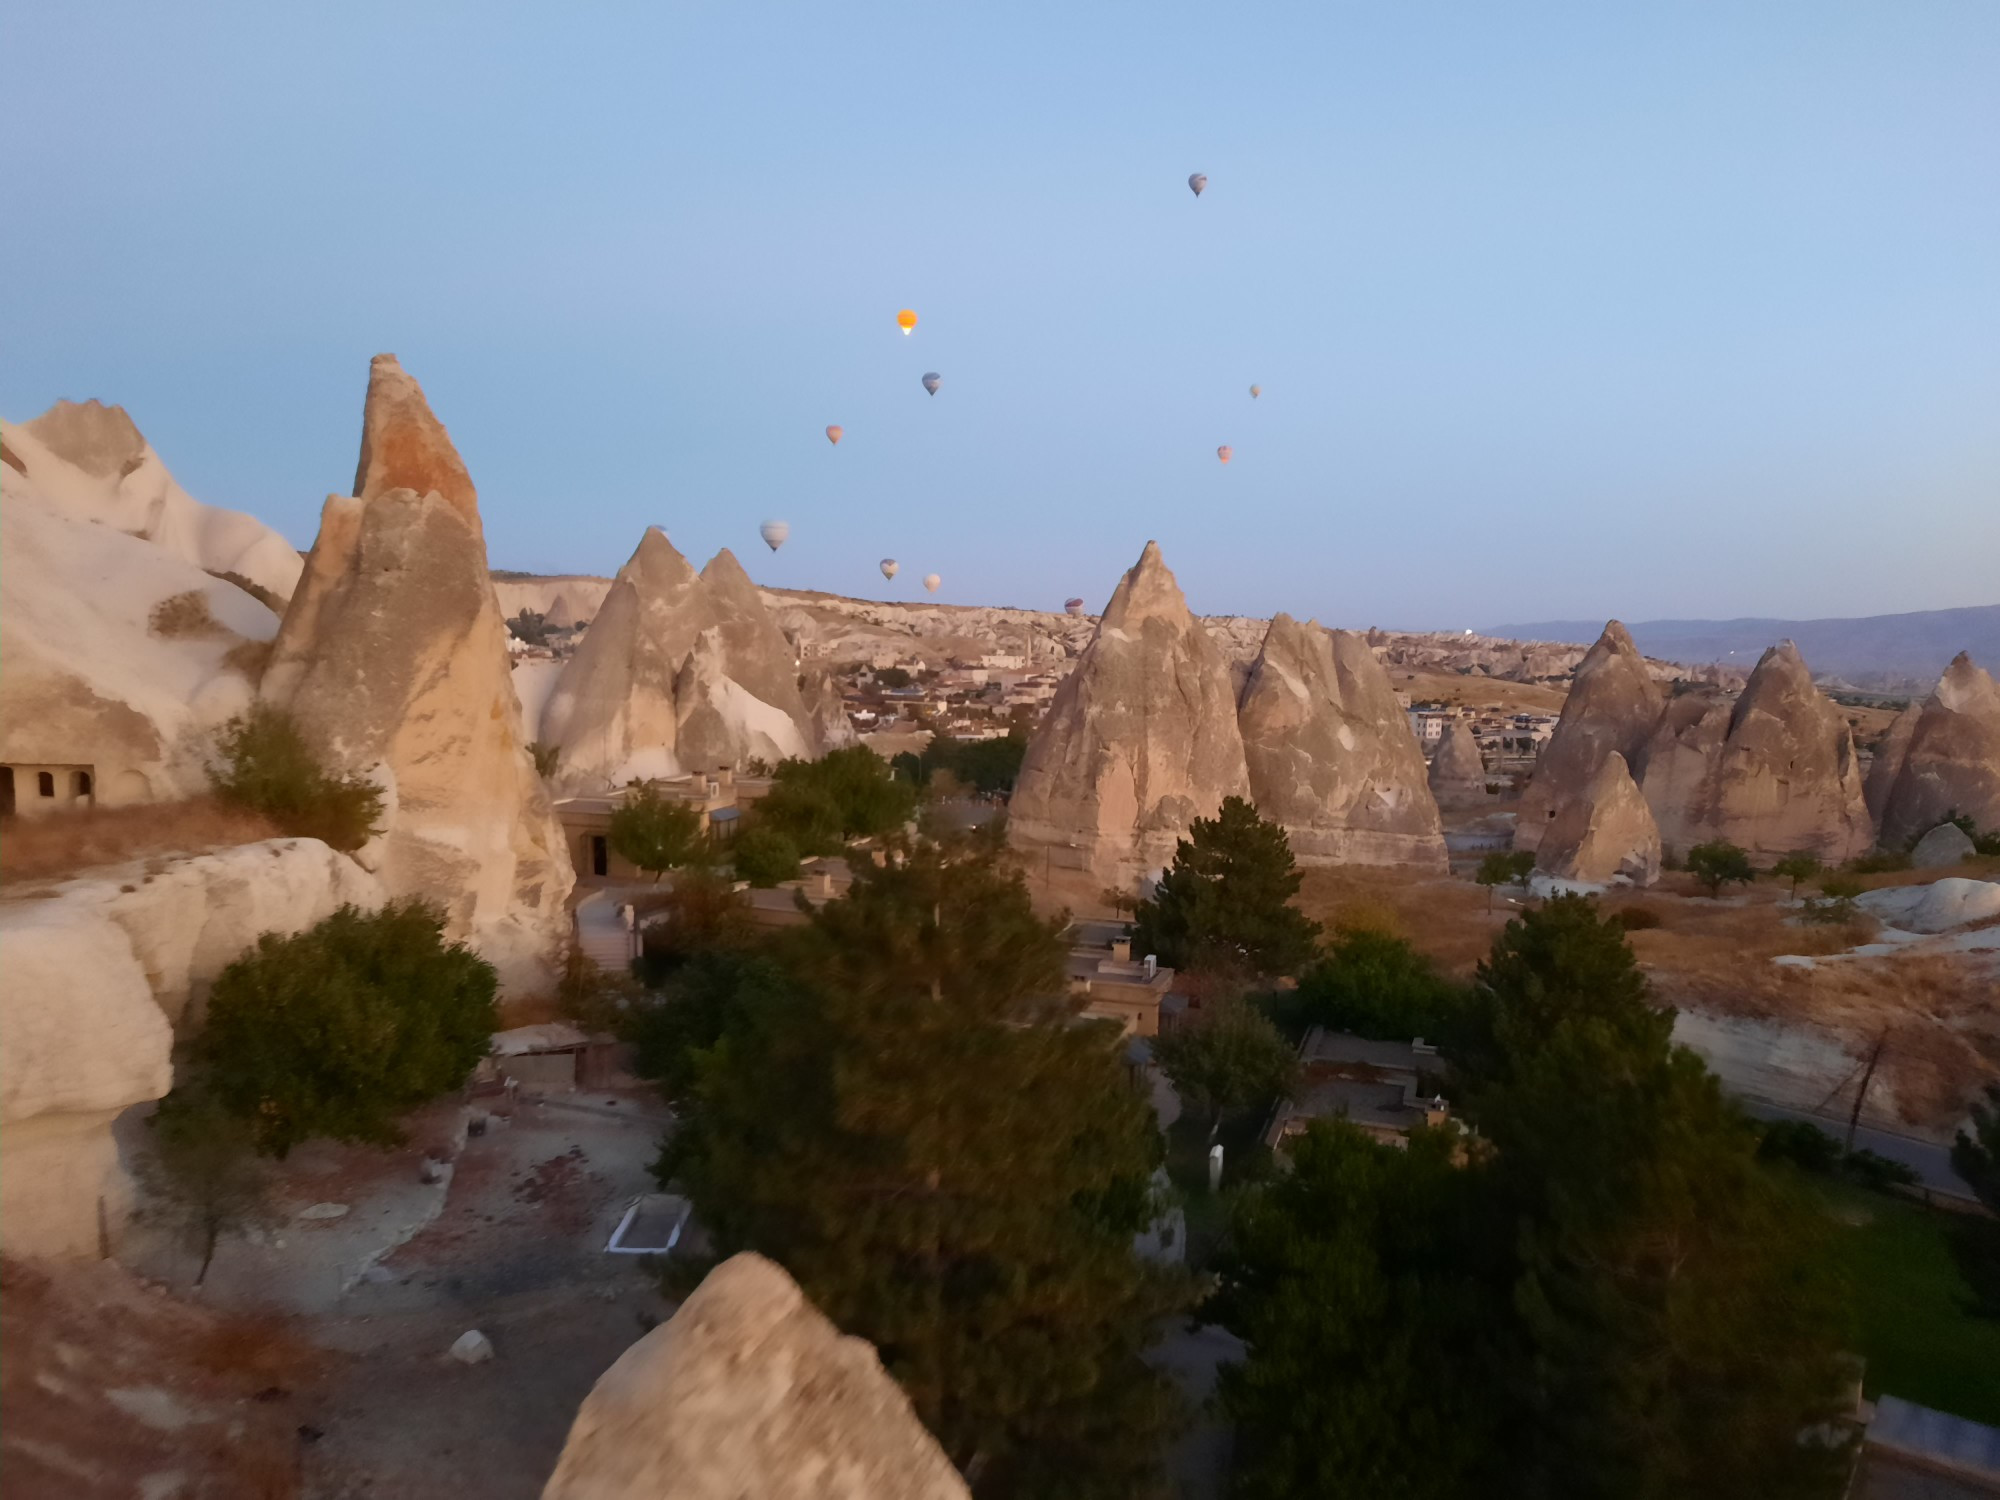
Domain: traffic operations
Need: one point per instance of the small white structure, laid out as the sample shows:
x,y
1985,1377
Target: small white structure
x,y
652,1225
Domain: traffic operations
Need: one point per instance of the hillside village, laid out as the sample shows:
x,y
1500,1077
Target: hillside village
x,y
511,726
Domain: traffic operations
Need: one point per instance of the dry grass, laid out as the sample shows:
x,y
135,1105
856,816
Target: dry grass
x,y
1446,919
64,844
1479,692
182,615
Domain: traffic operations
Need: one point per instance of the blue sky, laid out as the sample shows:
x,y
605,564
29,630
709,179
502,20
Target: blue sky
x,y
1558,309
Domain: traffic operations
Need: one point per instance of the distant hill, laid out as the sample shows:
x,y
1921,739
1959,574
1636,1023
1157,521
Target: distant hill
x,y
1886,653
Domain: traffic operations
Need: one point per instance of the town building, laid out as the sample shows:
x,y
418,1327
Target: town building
x,y
720,795
1137,993
1386,1088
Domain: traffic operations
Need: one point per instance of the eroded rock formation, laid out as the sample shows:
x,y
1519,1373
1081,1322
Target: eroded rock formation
x,y
1458,771
1140,740
1330,755
1778,774
721,722
1607,833
393,659
1952,761
749,1391
1612,708
1888,762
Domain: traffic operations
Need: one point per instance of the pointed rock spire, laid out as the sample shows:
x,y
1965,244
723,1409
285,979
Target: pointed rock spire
x,y
1888,762
1140,740
1605,834
405,447
755,652
1458,771
1612,707
1330,754
721,722
1952,762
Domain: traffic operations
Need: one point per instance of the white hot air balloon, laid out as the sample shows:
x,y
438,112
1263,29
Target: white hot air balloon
x,y
1198,181
931,582
1256,391
890,567
774,533
1224,452
1073,607
836,431
932,381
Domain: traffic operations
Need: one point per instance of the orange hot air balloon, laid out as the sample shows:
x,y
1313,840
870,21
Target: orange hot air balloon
x,y
1223,452
834,432
906,320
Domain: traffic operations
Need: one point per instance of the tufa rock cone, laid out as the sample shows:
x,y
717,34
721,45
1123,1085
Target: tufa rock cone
x,y
1604,835
754,651
1612,706
1330,754
1140,740
1952,760
721,722
393,659
405,447
1458,771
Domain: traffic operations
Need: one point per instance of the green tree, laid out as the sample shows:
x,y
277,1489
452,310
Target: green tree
x,y
1504,867
714,991
1372,1288
951,1169
203,1178
820,805
702,913
1803,864
892,677
1975,1154
1718,863
1230,1057
529,627
657,833
1377,985
764,856
342,1029
267,766
1227,898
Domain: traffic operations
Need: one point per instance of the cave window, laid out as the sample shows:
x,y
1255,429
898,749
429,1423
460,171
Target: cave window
x,y
45,783
600,855
82,783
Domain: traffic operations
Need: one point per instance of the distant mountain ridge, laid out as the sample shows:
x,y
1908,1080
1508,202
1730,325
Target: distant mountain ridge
x,y
1883,652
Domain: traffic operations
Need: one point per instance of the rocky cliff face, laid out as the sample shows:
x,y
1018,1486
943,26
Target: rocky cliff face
x,y
1605,834
393,659
1330,755
749,1391
1952,760
1458,771
1140,740
90,463
1888,762
1612,708
1781,776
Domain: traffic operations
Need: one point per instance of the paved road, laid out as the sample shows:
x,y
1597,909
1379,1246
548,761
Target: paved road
x,y
1931,1161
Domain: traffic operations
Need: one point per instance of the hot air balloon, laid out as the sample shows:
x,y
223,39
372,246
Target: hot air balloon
x,y
890,567
835,432
906,320
1198,181
1224,452
1073,606
931,582
774,533
1256,391
932,381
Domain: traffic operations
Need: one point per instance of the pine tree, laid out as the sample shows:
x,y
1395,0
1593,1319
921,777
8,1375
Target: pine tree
x,y
1226,901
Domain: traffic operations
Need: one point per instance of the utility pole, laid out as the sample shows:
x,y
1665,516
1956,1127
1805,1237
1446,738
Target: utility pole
x,y
1861,1093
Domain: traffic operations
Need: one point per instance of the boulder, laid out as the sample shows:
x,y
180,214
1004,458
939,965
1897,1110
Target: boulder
x,y
1943,847
1330,754
80,1041
1952,762
1937,907
749,1391
1140,740
90,463
1781,775
471,1348
1458,771
1604,835
1888,762
393,660
1612,708
86,681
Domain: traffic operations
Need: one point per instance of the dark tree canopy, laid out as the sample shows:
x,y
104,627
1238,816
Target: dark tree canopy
x,y
657,833
846,794
905,1117
343,1029
764,855
1227,899
1228,1057
1378,985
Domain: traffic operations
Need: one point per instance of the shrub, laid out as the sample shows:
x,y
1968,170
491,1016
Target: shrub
x,y
764,856
248,658
1376,985
1801,1143
1878,1172
1636,918
182,615
1881,862
341,1030
547,759
1718,863
268,768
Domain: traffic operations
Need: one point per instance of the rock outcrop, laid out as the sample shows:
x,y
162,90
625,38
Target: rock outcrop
x,y
1612,708
832,729
1888,762
1605,834
749,1391
1943,847
90,685
1952,762
1330,755
1458,771
1140,740
90,462
80,1041
1782,775
561,614
616,712
393,659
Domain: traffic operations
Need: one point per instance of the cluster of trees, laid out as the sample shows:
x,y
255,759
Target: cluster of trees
x,y
530,626
949,764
